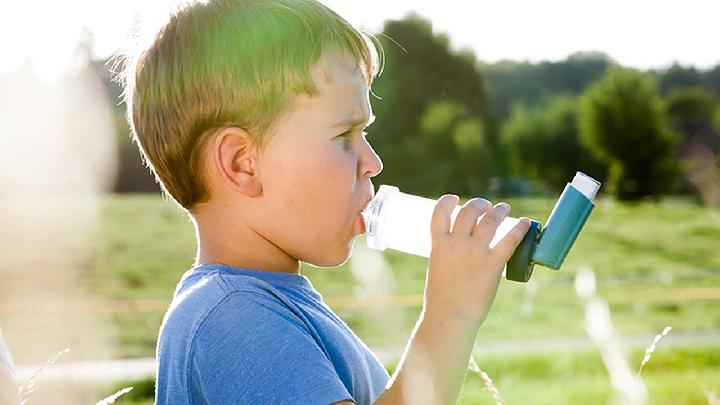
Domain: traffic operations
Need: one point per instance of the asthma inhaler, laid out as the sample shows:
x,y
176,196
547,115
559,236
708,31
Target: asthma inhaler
x,y
400,221
566,220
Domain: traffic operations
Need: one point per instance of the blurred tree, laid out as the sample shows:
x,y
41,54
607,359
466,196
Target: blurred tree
x,y
474,155
711,80
690,111
542,142
430,153
691,107
461,158
425,81
509,83
679,76
623,120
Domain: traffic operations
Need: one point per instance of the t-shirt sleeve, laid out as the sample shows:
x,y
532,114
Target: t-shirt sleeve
x,y
253,349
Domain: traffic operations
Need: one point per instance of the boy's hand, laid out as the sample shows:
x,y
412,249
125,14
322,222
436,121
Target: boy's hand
x,y
463,273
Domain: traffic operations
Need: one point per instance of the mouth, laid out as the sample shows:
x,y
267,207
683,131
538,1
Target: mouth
x,y
363,213
361,224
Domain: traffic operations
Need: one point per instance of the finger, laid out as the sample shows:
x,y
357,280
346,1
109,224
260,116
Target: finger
x,y
468,215
440,223
512,240
485,229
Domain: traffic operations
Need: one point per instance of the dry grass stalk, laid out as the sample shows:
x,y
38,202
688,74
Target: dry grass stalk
x,y
8,386
712,397
629,388
651,348
26,389
6,361
488,381
111,399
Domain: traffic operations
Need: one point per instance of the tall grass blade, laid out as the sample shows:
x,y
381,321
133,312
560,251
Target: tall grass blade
x,y
650,349
111,399
487,380
26,389
629,388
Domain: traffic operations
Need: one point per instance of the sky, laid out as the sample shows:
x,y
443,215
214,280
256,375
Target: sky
x,y
636,33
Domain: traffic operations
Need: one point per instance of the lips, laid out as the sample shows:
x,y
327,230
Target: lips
x,y
361,223
361,218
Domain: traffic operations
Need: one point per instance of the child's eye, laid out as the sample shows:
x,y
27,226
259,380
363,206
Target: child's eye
x,y
346,137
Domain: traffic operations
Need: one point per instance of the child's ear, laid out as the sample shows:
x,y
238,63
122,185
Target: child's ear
x,y
235,157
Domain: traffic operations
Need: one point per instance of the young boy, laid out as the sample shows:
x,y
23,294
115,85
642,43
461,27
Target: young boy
x,y
251,115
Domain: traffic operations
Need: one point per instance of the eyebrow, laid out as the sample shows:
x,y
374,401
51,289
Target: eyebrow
x,y
354,122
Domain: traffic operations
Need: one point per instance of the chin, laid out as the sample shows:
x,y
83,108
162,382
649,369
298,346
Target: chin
x,y
329,262
337,259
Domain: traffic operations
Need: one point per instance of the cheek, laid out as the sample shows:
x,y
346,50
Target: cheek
x,y
329,186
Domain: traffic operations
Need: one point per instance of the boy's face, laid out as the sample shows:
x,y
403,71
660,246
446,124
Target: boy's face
x,y
316,169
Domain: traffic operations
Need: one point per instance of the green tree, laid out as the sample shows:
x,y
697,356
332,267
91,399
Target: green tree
x,y
433,153
679,76
623,120
711,79
460,138
509,83
542,142
421,70
690,112
690,109
474,155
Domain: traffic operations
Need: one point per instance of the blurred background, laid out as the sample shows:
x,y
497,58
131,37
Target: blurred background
x,y
505,101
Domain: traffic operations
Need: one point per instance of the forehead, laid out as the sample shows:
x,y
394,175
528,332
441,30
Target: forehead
x,y
342,91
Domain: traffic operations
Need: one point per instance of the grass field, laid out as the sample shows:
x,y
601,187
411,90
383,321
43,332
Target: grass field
x,y
672,377
656,264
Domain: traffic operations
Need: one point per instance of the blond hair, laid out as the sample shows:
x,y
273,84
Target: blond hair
x,y
228,63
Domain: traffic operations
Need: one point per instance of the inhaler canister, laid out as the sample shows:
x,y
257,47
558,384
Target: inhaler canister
x,y
566,220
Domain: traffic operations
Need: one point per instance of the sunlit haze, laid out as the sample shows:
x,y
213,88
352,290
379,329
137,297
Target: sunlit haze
x,y
639,33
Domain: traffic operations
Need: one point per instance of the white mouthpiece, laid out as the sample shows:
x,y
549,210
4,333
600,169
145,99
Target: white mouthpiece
x,y
586,185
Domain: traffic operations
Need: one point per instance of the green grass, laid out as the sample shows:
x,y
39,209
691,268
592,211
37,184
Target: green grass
x,y
678,375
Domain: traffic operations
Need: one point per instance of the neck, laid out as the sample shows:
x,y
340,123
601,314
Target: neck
x,y
236,244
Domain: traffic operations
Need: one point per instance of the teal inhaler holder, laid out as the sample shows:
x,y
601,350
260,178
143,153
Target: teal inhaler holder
x,y
550,245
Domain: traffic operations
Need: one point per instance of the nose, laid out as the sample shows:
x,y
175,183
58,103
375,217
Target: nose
x,y
370,164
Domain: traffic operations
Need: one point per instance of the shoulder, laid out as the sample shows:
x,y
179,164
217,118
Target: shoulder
x,y
211,306
251,311
211,292
245,311
266,350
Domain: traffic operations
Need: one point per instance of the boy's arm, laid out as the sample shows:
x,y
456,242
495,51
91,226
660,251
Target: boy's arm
x,y
462,279
433,366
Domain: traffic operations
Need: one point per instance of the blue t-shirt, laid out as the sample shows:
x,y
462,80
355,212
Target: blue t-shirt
x,y
239,336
